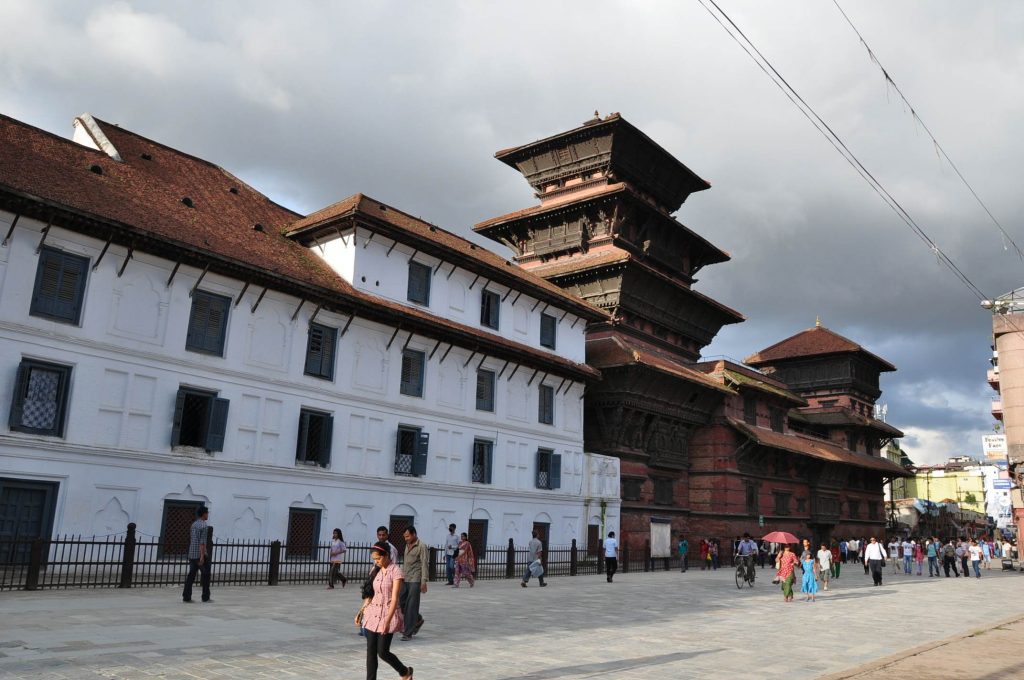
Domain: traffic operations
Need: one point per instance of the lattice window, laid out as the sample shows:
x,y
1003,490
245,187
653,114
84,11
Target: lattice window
x,y
303,530
484,390
483,454
549,469
546,405
478,537
40,398
411,451
397,524
413,365
176,527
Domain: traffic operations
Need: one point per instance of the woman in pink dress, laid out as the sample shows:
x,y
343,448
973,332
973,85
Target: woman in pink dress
x,y
381,616
465,562
786,563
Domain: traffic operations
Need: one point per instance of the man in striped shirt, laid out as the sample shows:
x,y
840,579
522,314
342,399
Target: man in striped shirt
x,y
197,558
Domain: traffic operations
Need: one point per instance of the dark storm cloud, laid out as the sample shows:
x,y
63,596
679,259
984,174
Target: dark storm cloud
x,y
407,102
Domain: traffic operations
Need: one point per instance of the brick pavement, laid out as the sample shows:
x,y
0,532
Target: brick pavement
x,y
657,625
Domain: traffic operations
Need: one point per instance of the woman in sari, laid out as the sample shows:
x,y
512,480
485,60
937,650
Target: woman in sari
x,y
465,562
785,564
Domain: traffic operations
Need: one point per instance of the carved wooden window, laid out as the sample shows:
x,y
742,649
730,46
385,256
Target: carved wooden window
x,y
548,324
490,307
413,367
750,499
314,444
854,509
750,409
828,403
208,323
60,286
777,419
781,466
851,441
483,461
873,510
484,390
200,420
175,530
663,491
303,532
477,532
419,283
40,399
320,345
782,502
801,505
631,489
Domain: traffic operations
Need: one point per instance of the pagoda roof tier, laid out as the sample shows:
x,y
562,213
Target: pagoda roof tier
x,y
703,252
815,448
739,377
817,341
609,145
838,415
614,351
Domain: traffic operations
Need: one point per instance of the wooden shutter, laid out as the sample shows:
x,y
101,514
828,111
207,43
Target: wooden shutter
x,y
320,351
326,433
489,309
546,406
302,447
555,475
60,285
419,457
20,389
419,283
179,414
207,323
218,425
488,462
547,331
412,373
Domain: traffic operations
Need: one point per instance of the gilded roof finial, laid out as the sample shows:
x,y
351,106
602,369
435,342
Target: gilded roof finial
x,y
817,322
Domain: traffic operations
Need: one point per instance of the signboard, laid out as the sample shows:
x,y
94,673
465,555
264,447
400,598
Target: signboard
x,y
661,538
994,446
1000,483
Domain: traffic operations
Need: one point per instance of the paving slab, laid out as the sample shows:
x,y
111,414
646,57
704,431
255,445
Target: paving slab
x,y
644,625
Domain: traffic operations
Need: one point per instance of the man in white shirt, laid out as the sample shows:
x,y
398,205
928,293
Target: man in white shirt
x,y
874,556
825,562
451,546
908,555
611,555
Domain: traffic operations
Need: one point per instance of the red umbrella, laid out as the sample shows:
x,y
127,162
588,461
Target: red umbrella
x,y
780,537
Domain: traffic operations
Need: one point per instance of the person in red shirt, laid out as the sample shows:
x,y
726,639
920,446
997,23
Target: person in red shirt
x,y
786,564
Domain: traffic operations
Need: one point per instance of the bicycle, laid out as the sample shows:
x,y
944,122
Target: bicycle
x,y
745,572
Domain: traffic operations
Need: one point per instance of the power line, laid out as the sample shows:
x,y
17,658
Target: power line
x,y
835,140
942,151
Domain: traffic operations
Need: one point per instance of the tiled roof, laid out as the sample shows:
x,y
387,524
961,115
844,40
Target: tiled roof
x,y
731,374
143,197
815,448
615,350
813,342
837,415
426,235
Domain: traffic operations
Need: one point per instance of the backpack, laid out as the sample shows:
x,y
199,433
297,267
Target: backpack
x,y
949,551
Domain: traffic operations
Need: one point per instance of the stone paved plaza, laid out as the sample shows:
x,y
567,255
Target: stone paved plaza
x,y
656,625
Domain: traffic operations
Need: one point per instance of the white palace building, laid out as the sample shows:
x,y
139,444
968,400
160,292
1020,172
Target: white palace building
x,y
170,337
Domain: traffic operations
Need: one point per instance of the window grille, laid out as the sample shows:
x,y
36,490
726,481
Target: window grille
x,y
549,469
413,363
546,405
484,390
303,531
411,452
483,457
40,398
175,532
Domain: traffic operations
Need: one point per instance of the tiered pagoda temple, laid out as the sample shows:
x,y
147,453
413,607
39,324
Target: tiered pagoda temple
x,y
604,230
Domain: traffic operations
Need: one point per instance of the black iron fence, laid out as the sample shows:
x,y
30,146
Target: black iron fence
x,y
127,560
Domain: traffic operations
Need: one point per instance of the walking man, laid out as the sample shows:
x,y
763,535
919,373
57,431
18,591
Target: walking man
x,y
451,546
415,570
611,555
932,551
874,558
382,535
949,559
534,550
684,547
198,560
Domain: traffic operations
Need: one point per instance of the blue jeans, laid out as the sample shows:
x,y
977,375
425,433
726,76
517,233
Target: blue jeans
x,y
449,568
977,568
933,565
907,559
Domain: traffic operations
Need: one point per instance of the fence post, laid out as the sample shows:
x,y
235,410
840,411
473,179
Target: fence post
x,y
625,559
128,557
510,560
573,559
275,563
648,562
35,563
432,569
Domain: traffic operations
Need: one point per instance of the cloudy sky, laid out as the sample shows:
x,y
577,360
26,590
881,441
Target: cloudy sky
x,y
407,102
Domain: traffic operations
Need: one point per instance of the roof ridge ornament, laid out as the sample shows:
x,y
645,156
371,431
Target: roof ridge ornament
x,y
817,322
94,137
